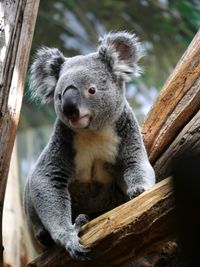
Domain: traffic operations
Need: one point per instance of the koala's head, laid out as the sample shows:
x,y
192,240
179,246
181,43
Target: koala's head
x,y
89,90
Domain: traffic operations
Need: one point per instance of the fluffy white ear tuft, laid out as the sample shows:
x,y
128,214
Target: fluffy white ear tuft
x,y
121,51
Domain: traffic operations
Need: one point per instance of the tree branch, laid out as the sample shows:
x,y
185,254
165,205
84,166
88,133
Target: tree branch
x,y
177,104
186,143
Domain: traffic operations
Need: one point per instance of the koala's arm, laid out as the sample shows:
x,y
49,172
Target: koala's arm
x,y
137,172
48,187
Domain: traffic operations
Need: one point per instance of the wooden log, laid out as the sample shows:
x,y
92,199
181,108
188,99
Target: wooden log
x,y
16,32
177,104
128,231
186,143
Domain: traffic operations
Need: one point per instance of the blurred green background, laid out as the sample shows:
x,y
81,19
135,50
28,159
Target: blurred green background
x,y
165,28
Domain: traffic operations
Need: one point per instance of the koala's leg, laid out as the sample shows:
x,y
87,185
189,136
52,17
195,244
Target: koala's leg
x,y
51,200
137,172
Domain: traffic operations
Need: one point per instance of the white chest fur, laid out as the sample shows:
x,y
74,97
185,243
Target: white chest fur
x,y
93,149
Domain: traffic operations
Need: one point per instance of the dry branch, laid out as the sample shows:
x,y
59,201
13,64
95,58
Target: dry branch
x,y
177,104
16,31
116,237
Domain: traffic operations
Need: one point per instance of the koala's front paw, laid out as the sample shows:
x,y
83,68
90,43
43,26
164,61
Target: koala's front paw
x,y
75,249
136,188
141,180
135,191
73,246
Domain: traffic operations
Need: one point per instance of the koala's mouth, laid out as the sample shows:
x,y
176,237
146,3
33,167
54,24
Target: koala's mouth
x,y
80,122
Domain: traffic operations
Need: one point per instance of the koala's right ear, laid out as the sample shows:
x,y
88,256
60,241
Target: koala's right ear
x,y
121,51
44,73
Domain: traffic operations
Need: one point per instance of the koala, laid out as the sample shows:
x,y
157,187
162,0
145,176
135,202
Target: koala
x,y
95,158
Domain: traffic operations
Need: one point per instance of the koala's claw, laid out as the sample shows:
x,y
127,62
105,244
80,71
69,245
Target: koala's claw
x,y
80,221
82,256
135,191
78,252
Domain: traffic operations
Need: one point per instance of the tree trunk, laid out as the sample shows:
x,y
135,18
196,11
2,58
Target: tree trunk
x,y
16,31
144,223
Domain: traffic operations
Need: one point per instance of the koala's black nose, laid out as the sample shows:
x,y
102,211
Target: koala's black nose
x,y
71,99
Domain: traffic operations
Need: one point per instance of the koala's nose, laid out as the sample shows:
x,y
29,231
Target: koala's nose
x,y
71,99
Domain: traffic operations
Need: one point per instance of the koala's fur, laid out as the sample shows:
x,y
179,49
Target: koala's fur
x,y
95,158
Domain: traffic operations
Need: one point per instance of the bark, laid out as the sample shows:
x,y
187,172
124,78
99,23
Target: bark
x,y
147,222
116,237
16,31
177,104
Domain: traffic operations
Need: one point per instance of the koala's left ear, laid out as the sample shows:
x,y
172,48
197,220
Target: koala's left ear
x,y
121,51
44,73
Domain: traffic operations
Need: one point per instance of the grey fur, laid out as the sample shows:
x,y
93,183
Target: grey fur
x,y
53,198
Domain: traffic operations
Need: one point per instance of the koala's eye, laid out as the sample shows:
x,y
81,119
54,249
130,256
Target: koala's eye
x,y
92,90
59,96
